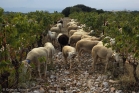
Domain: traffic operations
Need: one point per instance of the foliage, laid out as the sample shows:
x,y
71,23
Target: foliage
x,y
75,9
84,8
66,11
18,31
79,8
127,40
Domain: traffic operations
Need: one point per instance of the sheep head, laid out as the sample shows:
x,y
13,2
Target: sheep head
x,y
72,55
26,65
116,56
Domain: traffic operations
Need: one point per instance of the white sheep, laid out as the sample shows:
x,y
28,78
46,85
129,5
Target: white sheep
x,y
74,39
73,20
51,51
100,43
85,45
73,27
103,52
69,52
91,37
80,33
52,36
59,35
86,36
59,25
55,29
72,23
71,32
35,54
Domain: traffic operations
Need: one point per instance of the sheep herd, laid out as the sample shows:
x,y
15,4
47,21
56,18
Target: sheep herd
x,y
75,43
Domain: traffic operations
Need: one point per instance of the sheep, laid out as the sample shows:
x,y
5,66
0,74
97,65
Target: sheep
x,y
72,23
83,25
78,36
80,33
60,21
71,32
55,29
100,43
59,25
35,54
85,45
70,52
52,36
63,40
74,39
73,20
86,36
59,35
73,27
51,50
103,52
91,37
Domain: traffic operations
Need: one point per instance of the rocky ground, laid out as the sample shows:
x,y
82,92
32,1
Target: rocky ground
x,y
75,80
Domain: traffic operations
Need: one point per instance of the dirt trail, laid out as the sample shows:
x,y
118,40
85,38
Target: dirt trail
x,y
65,21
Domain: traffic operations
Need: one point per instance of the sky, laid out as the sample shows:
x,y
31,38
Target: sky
x,y
59,5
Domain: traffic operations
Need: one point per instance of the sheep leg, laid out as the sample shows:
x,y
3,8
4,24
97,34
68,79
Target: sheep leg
x,y
39,69
95,57
79,54
107,60
30,73
79,59
93,64
65,60
45,69
70,63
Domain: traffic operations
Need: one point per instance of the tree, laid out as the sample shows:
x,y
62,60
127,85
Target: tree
x,y
79,8
84,8
75,9
66,11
